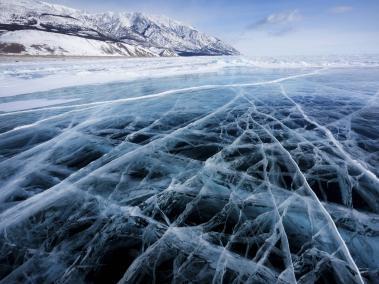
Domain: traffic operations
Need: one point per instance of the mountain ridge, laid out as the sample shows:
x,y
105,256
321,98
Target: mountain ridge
x,y
108,33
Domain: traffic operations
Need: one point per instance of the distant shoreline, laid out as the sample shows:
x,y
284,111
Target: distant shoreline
x,y
27,58
18,57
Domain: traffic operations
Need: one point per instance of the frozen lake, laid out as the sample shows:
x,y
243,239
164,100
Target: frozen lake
x,y
158,170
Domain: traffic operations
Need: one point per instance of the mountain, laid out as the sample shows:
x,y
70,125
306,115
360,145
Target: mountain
x,y
39,28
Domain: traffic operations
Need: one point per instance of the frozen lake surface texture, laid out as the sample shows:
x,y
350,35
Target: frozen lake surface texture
x,y
189,170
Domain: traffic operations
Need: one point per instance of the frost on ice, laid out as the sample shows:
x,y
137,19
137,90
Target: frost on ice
x,y
244,175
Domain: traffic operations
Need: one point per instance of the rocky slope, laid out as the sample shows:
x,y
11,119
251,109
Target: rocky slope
x,y
39,28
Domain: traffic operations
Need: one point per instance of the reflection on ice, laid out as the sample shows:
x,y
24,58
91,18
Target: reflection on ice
x,y
239,176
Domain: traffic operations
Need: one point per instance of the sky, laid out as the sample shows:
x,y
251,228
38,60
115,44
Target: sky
x,y
267,27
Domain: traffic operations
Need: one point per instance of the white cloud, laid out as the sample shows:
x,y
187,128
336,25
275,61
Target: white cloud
x,y
277,19
277,24
284,17
341,9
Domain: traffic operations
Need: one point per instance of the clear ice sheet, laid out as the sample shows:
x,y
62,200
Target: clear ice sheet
x,y
245,175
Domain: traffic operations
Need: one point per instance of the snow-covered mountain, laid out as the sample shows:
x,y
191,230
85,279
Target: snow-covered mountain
x,y
39,28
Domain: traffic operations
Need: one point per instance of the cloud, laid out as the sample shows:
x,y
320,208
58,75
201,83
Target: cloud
x,y
277,24
281,18
341,9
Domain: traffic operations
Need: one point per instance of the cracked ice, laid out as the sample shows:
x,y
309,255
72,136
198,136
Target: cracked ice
x,y
239,175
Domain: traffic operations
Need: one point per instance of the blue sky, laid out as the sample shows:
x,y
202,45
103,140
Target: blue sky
x,y
268,27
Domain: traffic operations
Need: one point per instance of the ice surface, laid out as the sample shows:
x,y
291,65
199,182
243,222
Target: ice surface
x,y
239,175
29,104
20,75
